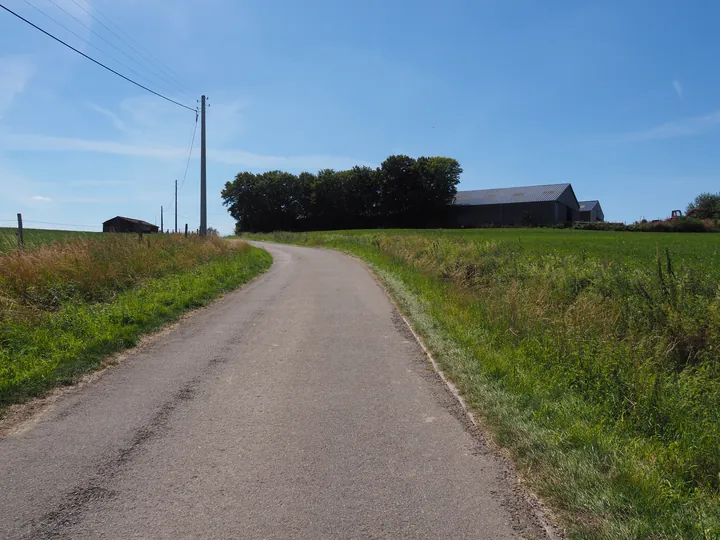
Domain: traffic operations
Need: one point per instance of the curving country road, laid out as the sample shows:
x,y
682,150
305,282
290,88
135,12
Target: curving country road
x,y
298,407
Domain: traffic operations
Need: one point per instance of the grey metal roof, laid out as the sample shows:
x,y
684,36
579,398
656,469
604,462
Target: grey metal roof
x,y
524,194
586,206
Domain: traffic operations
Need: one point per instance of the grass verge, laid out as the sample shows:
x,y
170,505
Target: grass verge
x,y
48,340
597,367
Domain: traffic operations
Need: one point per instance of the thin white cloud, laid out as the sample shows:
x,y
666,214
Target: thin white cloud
x,y
685,127
678,88
40,143
15,72
101,183
116,121
40,198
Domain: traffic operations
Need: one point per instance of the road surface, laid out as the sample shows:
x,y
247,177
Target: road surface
x,y
297,407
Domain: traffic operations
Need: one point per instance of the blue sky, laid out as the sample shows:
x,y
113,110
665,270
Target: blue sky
x,y
622,99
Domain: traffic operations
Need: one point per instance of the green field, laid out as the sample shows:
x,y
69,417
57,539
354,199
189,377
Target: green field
x,y
37,237
594,357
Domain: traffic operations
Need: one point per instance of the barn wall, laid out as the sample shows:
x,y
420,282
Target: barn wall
x,y
537,213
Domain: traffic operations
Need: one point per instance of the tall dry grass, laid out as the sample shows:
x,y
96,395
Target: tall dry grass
x,y
41,280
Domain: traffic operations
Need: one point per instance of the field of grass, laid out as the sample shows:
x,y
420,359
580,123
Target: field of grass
x,y
38,237
594,357
65,306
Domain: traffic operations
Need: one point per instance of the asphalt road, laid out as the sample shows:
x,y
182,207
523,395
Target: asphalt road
x,y
297,407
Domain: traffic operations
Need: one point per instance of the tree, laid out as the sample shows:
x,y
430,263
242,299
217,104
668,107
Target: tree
x,y
708,203
402,192
212,231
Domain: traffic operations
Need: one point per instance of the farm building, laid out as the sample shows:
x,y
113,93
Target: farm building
x,y
527,205
590,211
121,224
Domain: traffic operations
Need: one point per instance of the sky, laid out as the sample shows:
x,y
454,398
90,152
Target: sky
x,y
619,98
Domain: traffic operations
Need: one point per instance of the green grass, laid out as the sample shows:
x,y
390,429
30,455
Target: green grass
x,y
66,307
594,357
38,237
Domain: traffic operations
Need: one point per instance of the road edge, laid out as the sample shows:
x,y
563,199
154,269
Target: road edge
x,y
18,417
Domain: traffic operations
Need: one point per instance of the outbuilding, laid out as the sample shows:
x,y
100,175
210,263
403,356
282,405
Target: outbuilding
x,y
121,224
527,205
590,211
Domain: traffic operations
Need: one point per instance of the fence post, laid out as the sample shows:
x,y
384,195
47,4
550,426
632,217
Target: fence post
x,y
21,241
186,230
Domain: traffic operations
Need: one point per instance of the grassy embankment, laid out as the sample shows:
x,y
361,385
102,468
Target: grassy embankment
x,y
65,306
594,357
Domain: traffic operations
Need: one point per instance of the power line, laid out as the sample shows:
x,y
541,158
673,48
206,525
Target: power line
x,y
192,144
167,72
88,27
187,164
111,70
61,224
86,41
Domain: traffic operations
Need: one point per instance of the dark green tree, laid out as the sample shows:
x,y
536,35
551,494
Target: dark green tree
x,y
402,192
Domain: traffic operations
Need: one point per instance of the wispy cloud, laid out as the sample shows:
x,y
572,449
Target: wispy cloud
x,y
40,198
40,143
678,88
101,183
116,121
685,127
15,72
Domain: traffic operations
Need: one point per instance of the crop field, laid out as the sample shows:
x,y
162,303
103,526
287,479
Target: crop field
x,y
594,357
38,237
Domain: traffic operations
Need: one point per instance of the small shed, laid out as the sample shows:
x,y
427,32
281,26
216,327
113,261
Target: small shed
x,y
120,224
590,211
526,205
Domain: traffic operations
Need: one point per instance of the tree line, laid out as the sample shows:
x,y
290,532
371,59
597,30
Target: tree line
x,y
402,192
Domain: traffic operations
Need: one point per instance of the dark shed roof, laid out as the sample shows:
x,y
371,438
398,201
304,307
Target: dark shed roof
x,y
524,194
131,220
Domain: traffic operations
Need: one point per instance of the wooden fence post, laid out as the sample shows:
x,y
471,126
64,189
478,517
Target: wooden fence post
x,y
186,230
21,241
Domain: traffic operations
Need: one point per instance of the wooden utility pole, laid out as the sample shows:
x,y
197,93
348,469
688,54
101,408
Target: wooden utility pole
x,y
21,242
162,225
175,206
203,172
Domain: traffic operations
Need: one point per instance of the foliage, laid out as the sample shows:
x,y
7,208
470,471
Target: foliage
x,y
65,306
402,192
683,224
212,231
593,356
708,203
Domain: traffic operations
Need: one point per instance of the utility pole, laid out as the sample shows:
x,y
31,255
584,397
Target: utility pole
x,y
203,172
162,225
175,206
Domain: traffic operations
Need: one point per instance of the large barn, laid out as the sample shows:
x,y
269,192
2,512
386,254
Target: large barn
x,y
527,205
590,211
121,224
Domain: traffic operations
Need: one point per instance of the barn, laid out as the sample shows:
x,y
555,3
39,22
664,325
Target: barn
x,y
120,224
526,205
590,211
